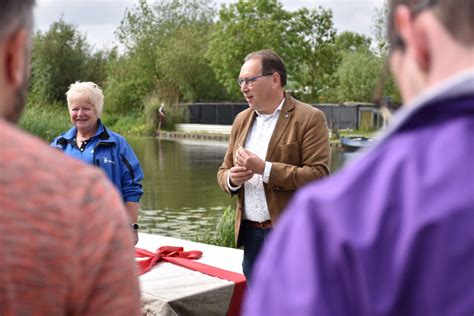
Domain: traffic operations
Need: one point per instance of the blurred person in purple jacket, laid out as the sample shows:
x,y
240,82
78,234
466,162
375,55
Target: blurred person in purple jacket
x,y
392,233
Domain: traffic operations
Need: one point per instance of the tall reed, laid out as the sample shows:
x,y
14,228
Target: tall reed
x,y
45,122
223,234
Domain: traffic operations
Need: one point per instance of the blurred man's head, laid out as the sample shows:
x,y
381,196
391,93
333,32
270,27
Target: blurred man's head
x,y
16,22
430,40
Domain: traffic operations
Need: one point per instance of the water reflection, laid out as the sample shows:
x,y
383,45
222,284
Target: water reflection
x,y
181,196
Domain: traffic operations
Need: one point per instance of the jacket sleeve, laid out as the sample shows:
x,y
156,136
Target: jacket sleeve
x,y
131,173
55,144
228,162
315,153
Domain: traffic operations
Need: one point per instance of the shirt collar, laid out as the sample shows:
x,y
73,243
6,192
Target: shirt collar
x,y
277,110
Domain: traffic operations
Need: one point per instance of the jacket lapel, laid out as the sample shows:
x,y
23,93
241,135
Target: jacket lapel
x,y
281,125
246,126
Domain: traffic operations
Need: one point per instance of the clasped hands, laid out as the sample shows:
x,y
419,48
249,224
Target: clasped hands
x,y
246,164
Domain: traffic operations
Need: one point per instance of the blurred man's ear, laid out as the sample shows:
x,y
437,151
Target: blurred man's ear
x,y
15,58
412,32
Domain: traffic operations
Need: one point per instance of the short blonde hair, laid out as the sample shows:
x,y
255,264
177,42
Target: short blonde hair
x,y
87,91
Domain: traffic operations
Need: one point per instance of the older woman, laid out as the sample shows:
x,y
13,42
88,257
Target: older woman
x,y
90,141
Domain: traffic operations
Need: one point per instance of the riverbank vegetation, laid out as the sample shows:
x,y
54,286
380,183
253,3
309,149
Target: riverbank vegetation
x,y
223,234
184,51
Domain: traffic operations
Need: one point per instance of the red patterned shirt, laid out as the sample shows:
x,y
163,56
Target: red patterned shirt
x,y
65,246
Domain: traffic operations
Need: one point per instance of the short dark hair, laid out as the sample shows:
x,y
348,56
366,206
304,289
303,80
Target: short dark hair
x,y
15,13
271,63
457,17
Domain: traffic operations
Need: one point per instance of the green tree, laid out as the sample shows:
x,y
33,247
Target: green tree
x,y
244,27
379,28
304,39
59,58
314,58
183,64
358,78
350,42
164,54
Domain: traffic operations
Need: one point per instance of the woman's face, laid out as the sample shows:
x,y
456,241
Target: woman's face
x,y
83,115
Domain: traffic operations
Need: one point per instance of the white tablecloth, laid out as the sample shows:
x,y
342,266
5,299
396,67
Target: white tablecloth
x,y
169,289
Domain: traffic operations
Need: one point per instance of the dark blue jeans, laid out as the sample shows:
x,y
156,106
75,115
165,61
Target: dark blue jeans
x,y
252,239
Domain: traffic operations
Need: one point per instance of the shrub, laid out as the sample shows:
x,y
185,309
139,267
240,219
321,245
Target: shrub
x,y
224,233
46,122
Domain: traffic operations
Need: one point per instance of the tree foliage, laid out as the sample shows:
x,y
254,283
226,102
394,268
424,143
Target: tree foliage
x,y
165,46
304,39
351,42
243,27
60,57
184,66
379,29
358,78
181,51
313,55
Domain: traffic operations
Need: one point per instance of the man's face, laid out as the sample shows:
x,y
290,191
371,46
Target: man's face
x,y
257,91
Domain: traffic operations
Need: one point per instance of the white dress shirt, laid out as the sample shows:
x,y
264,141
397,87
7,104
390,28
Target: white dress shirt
x,y
255,202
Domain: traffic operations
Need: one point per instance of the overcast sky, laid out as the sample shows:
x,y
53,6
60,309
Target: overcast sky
x,y
98,19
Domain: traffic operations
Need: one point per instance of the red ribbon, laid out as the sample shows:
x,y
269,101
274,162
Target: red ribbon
x,y
182,258
164,253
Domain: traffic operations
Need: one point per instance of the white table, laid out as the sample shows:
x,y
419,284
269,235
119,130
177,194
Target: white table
x,y
169,289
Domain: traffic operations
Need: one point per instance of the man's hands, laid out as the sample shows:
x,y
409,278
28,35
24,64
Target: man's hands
x,y
246,165
239,175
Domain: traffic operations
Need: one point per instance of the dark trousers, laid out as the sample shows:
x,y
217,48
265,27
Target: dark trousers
x,y
252,239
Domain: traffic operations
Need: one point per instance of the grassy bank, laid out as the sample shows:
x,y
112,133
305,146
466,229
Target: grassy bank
x,y
223,234
47,122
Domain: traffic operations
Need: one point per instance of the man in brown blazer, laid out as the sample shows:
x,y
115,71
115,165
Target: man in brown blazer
x,y
275,147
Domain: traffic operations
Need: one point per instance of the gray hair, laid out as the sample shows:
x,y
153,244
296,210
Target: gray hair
x,y
15,14
87,91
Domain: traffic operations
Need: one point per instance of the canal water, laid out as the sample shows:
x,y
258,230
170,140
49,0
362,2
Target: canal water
x,y
181,196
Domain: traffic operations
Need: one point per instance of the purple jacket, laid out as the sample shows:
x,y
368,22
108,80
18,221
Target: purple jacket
x,y
390,234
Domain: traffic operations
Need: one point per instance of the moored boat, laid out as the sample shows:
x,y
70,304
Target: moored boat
x,y
354,143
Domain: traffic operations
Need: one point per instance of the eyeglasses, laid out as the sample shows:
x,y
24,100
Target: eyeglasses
x,y
251,80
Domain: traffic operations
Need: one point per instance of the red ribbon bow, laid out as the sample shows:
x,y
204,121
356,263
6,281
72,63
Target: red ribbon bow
x,y
165,253
177,256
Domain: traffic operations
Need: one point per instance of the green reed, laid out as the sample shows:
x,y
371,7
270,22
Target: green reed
x,y
45,122
223,234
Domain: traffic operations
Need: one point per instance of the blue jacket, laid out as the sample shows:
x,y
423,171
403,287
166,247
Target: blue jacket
x,y
111,152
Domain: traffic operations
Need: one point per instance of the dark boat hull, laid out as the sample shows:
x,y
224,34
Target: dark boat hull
x,y
354,143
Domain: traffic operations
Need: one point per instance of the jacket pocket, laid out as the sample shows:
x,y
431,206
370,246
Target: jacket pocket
x,y
290,153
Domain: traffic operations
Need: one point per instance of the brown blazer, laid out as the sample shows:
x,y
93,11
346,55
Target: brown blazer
x,y
298,150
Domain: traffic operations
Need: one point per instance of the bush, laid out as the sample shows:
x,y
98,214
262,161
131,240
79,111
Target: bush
x,y
224,233
174,115
45,121
50,120
151,107
132,124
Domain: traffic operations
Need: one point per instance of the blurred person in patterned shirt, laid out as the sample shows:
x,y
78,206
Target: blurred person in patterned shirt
x,y
66,248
